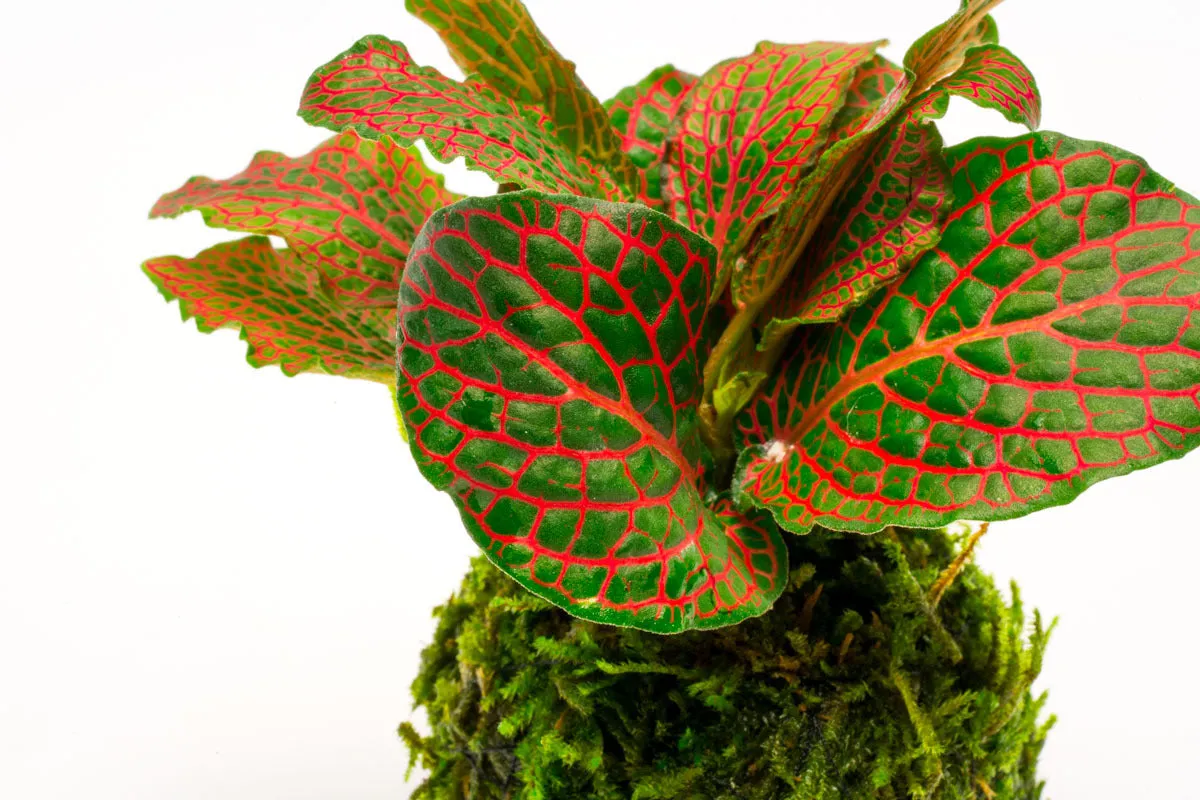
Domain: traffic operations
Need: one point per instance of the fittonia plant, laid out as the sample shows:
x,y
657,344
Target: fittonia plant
x,y
716,310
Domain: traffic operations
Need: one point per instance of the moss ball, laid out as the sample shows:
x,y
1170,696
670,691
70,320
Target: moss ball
x,y
890,668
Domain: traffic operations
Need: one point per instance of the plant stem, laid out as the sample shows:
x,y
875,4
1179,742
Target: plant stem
x,y
715,428
951,572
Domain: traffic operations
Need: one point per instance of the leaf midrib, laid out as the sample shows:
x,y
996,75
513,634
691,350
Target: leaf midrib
x,y
922,348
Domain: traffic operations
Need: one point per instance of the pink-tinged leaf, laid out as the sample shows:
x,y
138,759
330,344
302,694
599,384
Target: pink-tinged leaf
x,y
992,77
351,208
750,128
550,379
889,215
766,266
375,88
643,115
1050,340
499,41
941,52
962,56
936,56
770,261
873,82
249,285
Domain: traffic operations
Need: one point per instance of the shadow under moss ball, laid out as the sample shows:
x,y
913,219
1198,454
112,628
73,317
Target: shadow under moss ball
x,y
869,678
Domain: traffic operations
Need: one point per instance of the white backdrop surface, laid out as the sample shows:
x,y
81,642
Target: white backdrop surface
x,y
215,581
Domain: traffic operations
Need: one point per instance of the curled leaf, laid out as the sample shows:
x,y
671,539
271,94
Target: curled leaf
x,y
893,144
873,82
249,285
550,361
992,77
643,115
376,89
941,52
888,216
500,41
750,128
351,207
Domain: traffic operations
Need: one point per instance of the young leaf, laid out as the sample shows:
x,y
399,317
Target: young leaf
x,y
643,114
748,130
248,284
936,56
550,366
1049,341
889,215
992,77
732,394
375,88
874,81
351,207
498,40
941,52
767,265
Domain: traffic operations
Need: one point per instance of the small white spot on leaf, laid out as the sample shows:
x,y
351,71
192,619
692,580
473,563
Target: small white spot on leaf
x,y
777,450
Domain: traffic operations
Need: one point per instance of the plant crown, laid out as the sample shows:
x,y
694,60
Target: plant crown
x,y
714,310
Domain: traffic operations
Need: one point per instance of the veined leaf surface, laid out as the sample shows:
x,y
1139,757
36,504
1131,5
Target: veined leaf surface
x,y
750,127
888,216
643,114
500,41
376,89
935,57
1050,340
872,83
249,285
550,377
351,207
992,77
941,51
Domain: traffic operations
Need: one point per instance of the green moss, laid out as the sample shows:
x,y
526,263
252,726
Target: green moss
x,y
853,686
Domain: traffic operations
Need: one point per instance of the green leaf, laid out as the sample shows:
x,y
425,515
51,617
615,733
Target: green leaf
x,y
750,128
735,392
249,285
942,51
1050,340
375,88
351,207
550,377
992,77
643,115
873,82
936,56
889,215
498,40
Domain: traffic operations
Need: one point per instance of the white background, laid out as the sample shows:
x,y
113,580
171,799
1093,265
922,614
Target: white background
x,y
215,581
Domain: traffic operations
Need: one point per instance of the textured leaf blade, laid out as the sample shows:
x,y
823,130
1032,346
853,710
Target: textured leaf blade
x,y
935,57
550,373
376,89
802,211
643,115
500,41
873,82
249,285
351,207
750,128
992,77
941,51
771,260
1049,341
888,216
